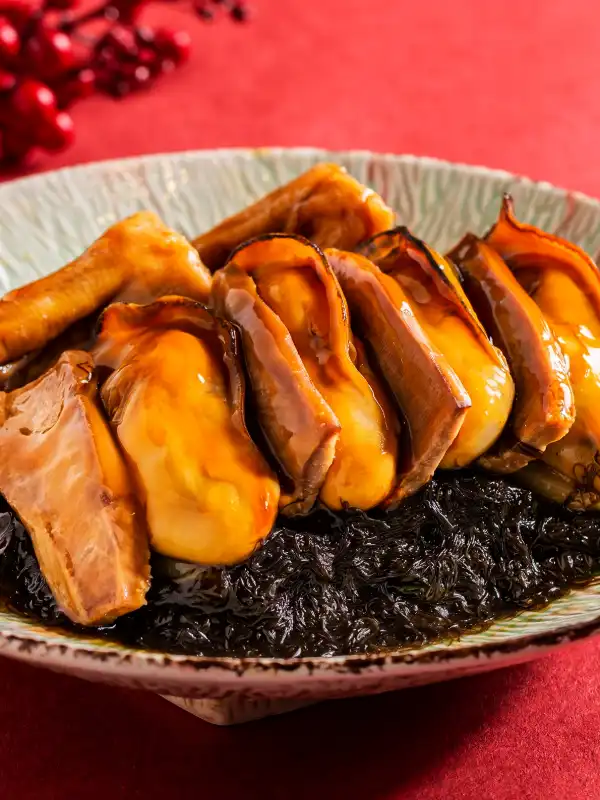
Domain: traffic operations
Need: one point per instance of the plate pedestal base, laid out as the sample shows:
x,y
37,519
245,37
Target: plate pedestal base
x,y
235,710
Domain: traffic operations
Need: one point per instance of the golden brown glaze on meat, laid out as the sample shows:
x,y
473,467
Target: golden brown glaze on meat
x,y
294,280
324,204
176,401
364,364
300,427
544,407
441,307
137,259
431,397
63,474
565,283
297,283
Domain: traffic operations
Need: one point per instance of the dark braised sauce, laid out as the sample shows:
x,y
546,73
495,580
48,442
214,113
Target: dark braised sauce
x,y
467,549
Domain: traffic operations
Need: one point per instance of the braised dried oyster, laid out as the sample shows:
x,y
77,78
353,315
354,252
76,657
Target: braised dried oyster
x,y
137,259
63,474
565,283
432,399
300,427
324,204
288,278
365,364
544,407
176,401
440,305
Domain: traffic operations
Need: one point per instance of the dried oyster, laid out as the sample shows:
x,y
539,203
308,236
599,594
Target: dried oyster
x,y
176,401
442,309
289,278
544,407
431,397
565,283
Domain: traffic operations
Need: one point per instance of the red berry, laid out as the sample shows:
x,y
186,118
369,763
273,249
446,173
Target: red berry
x,y
15,147
120,40
62,5
86,82
173,45
50,53
166,65
147,56
203,10
56,133
238,13
4,112
105,57
76,87
8,81
126,11
20,12
119,87
141,77
136,76
10,42
32,102
144,36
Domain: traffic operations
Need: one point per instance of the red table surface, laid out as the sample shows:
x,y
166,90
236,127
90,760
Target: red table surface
x,y
507,84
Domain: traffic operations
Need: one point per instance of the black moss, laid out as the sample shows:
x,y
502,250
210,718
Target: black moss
x,y
467,549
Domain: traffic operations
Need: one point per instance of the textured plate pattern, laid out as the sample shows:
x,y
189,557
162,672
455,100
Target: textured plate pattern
x,y
46,220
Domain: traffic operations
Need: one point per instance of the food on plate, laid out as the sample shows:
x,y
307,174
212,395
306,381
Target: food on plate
x,y
175,398
273,439
136,260
544,407
27,368
430,396
469,549
294,285
565,284
64,476
439,303
299,426
325,204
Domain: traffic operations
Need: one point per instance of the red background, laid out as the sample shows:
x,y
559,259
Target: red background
x,y
507,84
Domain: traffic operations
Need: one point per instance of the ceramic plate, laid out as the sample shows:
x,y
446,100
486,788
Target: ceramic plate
x,y
48,219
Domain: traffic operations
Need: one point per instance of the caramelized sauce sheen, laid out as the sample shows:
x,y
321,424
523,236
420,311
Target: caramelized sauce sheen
x,y
364,468
486,379
196,470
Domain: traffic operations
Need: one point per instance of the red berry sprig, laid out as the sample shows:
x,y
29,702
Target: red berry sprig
x,y
52,57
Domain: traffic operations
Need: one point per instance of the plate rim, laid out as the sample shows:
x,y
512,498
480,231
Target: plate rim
x,y
306,151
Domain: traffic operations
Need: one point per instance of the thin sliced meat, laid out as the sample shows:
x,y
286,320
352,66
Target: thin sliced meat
x,y
63,474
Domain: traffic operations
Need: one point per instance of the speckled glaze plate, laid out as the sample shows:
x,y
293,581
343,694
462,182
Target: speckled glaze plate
x,y
48,219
